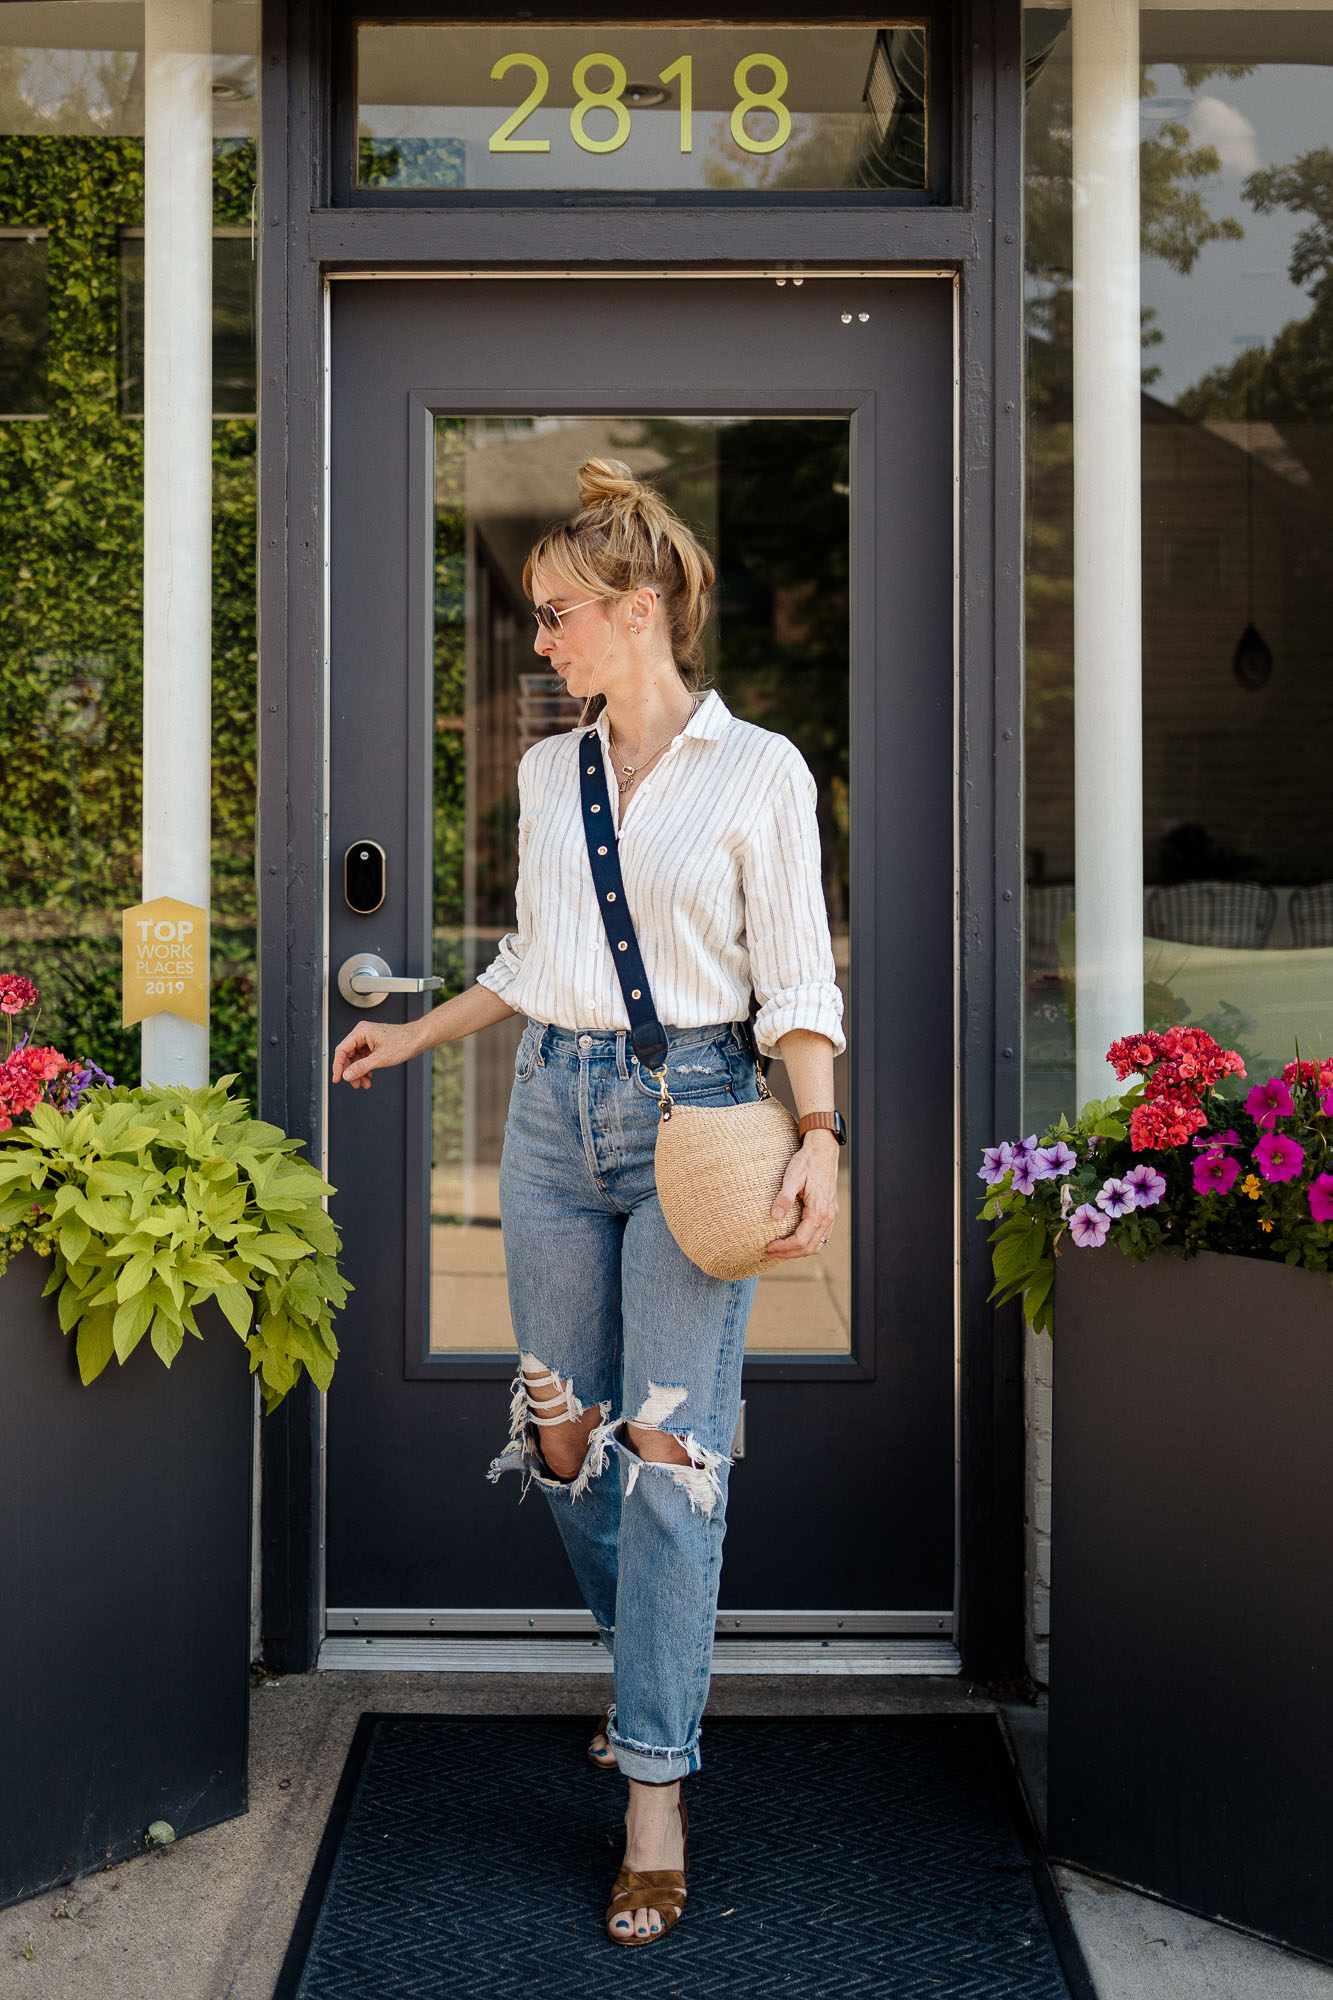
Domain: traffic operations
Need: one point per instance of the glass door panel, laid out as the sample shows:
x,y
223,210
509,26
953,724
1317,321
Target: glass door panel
x,y
769,497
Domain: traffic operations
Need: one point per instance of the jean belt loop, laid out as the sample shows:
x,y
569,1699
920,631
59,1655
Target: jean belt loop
x,y
542,1032
622,1067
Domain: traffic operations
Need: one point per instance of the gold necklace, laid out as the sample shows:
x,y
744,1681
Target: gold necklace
x,y
633,771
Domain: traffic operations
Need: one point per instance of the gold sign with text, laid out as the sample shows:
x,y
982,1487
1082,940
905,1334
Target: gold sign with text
x,y
164,961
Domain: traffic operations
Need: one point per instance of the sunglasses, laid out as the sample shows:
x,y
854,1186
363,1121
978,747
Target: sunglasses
x,y
549,618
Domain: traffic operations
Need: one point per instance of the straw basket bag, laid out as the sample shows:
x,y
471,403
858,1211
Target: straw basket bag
x,y
718,1174
718,1170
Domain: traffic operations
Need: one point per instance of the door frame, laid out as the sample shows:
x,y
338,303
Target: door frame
x,y
306,242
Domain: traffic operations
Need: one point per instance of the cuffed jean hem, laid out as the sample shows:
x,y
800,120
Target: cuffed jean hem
x,y
653,1767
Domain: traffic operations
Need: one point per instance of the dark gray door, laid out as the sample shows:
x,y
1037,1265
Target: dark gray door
x,y
807,430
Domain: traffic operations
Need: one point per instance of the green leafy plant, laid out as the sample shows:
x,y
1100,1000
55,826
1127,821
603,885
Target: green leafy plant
x,y
151,1202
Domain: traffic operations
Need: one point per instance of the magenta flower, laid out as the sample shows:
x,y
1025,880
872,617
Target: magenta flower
x,y
1116,1198
1321,1198
1056,1160
1211,1141
1278,1158
1149,1186
1089,1227
996,1162
1268,1102
1215,1173
1326,1102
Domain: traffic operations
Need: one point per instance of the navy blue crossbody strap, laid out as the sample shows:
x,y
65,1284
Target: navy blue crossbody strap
x,y
646,1032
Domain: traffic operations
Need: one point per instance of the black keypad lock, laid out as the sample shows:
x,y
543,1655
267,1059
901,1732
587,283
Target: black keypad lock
x,y
364,876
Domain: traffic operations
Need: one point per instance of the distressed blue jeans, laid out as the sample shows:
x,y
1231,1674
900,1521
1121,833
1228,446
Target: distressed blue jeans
x,y
609,1308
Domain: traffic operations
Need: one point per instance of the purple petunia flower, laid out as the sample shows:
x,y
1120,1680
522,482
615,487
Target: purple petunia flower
x,y
1089,1227
1026,1173
1268,1102
1215,1173
1321,1198
1278,1158
1056,1160
1028,1145
996,1162
1149,1186
1116,1198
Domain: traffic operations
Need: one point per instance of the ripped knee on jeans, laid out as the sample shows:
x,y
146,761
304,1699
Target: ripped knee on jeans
x,y
552,1437
676,1454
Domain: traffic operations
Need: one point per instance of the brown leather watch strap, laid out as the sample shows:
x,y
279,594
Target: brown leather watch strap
x,y
813,1121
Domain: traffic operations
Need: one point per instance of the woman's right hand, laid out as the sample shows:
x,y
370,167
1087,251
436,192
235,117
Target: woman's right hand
x,y
372,1045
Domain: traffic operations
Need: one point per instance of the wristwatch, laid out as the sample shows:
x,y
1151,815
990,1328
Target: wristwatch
x,y
829,1121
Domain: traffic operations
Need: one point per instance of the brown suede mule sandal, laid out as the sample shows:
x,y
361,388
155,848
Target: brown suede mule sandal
x,y
660,1889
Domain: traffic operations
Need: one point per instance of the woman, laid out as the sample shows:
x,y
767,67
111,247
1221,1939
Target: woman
x,y
628,1392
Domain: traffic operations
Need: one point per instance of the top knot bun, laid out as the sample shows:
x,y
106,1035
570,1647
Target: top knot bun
x,y
609,480
625,537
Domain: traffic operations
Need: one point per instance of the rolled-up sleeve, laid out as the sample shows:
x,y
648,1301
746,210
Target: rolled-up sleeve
x,y
512,949
786,921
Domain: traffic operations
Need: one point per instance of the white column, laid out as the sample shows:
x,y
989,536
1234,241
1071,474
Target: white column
x,y
1108,746
178,262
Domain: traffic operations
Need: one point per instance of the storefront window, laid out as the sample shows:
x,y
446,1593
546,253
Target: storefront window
x,y
770,496
71,518
1236,484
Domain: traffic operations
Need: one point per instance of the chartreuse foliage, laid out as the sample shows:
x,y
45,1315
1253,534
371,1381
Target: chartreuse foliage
x,y
151,1202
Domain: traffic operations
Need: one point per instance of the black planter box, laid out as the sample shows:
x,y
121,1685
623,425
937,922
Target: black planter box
x,y
1191,1705
124,1567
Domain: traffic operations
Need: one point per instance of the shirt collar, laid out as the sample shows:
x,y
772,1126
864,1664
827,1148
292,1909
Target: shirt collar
x,y
710,718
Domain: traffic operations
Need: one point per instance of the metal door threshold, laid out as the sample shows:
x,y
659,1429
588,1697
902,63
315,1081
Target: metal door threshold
x,y
588,1656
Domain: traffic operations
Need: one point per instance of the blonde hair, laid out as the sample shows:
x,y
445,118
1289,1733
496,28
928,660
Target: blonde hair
x,y
624,537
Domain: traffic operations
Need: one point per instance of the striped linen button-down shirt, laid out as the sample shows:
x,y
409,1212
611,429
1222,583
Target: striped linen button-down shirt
x,y
721,860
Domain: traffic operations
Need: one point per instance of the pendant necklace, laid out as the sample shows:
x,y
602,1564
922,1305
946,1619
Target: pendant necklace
x,y
632,771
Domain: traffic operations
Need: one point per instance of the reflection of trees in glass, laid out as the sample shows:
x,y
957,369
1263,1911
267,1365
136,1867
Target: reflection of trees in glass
x,y
1176,227
85,91
1291,381
879,145
780,636
1175,222
411,163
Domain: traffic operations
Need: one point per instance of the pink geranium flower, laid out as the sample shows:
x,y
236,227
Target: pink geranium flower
x,y
1268,1102
1321,1198
1278,1158
16,995
1215,1173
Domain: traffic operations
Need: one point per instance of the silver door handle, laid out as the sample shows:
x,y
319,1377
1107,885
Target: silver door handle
x,y
364,979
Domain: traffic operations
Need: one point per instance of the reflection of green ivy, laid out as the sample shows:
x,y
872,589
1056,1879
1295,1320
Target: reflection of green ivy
x,y
71,553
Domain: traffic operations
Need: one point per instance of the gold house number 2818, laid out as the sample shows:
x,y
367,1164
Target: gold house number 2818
x,y
611,99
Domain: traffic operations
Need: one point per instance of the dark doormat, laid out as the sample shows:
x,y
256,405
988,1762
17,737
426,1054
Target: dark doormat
x,y
890,1857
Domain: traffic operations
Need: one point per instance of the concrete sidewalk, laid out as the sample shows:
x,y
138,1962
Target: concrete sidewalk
x,y
210,1919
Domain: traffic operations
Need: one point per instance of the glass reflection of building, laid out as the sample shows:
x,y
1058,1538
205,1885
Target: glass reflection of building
x,y
1236,440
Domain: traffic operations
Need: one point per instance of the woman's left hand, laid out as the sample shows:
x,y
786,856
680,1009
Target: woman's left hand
x,y
813,1176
